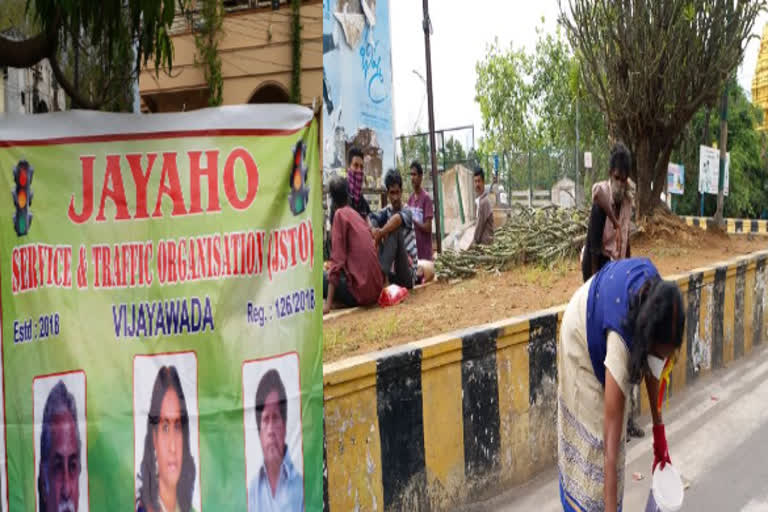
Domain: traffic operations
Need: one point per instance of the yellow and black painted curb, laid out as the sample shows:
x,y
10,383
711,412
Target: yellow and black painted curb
x,y
733,226
447,420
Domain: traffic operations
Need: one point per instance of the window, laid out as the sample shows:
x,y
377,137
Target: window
x,y
233,5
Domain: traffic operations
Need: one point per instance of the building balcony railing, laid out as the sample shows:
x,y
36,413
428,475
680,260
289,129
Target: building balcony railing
x,y
187,21
236,5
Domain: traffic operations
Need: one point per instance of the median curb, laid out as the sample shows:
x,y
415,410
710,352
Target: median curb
x,y
458,417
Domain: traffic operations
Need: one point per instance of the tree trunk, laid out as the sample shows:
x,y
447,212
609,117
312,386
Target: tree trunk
x,y
660,173
652,160
644,173
707,141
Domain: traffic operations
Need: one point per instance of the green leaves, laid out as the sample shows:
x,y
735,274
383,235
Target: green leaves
x,y
528,100
505,94
207,43
689,12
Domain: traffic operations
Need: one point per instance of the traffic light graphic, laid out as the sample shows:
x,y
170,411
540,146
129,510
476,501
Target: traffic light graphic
x,y
22,197
298,179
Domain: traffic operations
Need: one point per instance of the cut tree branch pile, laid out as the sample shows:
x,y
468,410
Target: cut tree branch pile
x,y
530,235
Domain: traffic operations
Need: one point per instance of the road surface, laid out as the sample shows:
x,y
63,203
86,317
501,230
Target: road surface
x,y
717,433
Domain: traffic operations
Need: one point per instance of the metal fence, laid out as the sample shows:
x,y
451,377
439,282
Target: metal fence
x,y
537,178
452,146
544,172
515,172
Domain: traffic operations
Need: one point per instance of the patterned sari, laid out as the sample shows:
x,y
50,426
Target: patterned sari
x,y
593,340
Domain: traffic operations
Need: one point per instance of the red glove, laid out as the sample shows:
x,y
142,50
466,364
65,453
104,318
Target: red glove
x,y
660,450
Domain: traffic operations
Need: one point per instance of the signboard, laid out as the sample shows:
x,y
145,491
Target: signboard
x,y
588,159
709,169
357,87
161,303
675,178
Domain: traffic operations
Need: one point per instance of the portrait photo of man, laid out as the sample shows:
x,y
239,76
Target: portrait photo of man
x,y
278,481
60,430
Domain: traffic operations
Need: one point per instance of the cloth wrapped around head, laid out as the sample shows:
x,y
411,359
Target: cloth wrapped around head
x,y
355,180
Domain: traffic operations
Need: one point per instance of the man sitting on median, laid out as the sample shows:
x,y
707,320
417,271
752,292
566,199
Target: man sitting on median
x,y
354,278
355,181
484,226
392,230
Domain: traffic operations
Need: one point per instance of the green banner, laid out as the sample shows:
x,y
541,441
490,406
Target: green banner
x,y
161,311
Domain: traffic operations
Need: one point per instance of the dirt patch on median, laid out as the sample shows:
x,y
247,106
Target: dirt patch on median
x,y
445,307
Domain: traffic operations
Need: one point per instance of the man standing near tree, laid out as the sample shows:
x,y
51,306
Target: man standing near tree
x,y
421,206
608,231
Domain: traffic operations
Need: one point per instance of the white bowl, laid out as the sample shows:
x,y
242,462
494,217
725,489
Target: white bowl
x,y
667,487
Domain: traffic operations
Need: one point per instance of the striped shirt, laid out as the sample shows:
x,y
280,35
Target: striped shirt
x,y
383,216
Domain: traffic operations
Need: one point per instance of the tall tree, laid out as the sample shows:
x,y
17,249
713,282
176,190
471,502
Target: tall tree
x,y
453,152
413,147
529,102
504,93
120,31
651,65
553,96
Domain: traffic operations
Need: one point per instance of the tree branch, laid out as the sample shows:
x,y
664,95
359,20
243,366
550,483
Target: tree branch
x,y
77,99
28,52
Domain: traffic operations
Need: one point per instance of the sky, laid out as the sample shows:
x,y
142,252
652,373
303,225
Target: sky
x,y
461,34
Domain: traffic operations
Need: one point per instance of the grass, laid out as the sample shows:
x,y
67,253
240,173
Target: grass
x,y
385,329
340,339
545,275
667,252
334,337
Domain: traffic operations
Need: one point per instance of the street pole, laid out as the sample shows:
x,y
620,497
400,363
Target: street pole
x,y
706,142
530,180
723,156
427,24
136,92
76,44
578,156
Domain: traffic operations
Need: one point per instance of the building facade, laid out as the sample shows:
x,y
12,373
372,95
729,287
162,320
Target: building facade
x,y
29,90
256,51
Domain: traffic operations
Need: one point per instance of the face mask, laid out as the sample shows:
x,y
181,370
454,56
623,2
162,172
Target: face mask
x,y
656,365
617,190
355,184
